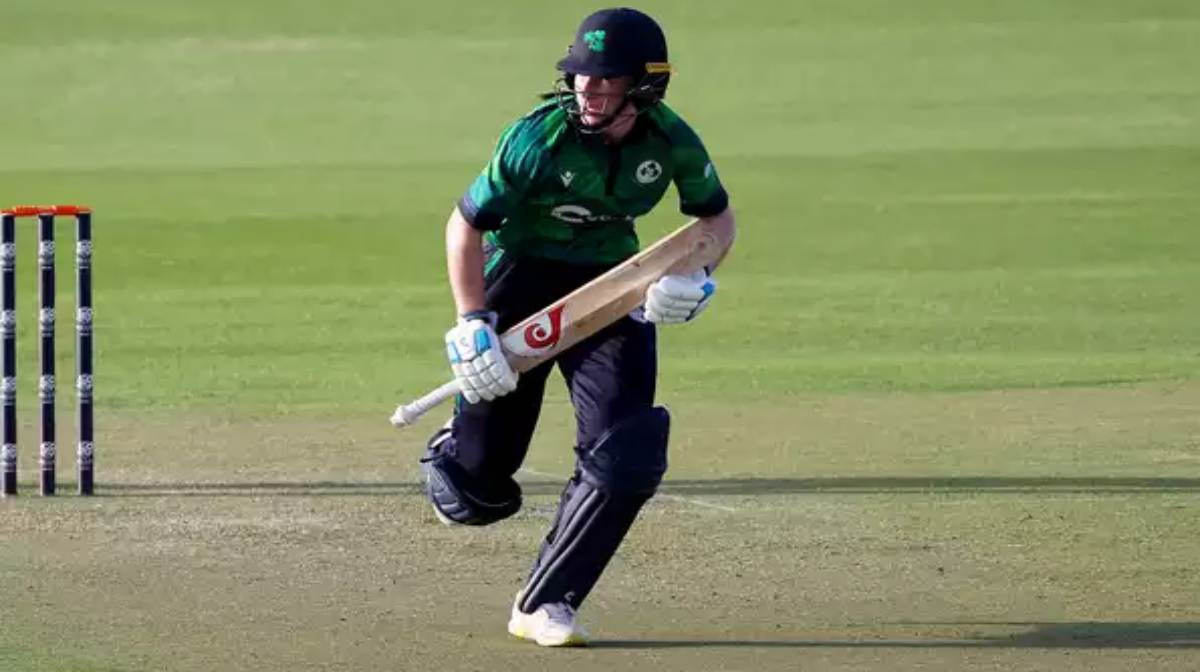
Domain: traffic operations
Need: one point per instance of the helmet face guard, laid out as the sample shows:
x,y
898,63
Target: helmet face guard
x,y
643,95
615,43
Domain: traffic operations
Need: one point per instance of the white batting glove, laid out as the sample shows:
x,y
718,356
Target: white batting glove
x,y
473,349
679,298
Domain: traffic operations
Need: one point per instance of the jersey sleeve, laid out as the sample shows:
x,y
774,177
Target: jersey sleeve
x,y
505,180
701,193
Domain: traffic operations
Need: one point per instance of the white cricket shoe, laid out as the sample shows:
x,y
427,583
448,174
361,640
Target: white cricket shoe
x,y
550,625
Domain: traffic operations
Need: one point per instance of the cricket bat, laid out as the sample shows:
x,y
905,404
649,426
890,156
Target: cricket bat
x,y
599,303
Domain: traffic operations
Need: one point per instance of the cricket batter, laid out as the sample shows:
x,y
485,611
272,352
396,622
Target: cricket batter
x,y
554,208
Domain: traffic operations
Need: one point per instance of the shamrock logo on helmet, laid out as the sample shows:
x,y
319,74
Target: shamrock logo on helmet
x,y
595,40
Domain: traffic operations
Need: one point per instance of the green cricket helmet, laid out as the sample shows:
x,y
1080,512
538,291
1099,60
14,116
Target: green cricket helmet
x,y
619,42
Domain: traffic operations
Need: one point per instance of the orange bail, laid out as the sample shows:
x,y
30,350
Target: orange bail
x,y
57,210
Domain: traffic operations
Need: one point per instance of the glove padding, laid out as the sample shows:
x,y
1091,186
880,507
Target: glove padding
x,y
473,349
679,298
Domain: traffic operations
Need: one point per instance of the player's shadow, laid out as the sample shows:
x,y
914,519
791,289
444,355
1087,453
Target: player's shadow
x,y
1028,635
261,489
921,484
684,487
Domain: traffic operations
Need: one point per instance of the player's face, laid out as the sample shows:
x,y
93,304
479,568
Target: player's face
x,y
599,98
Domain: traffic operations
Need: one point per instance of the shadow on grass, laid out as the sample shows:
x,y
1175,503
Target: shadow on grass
x,y
261,489
715,487
1032,636
922,484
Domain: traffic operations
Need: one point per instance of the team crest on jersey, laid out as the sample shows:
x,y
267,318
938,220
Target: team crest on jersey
x,y
540,335
567,178
648,171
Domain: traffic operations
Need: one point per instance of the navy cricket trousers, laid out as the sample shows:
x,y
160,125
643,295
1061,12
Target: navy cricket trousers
x,y
610,375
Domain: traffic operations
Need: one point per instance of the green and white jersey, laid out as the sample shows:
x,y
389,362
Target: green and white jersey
x,y
554,193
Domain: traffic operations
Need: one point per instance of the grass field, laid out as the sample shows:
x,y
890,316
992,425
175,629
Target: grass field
x,y
942,414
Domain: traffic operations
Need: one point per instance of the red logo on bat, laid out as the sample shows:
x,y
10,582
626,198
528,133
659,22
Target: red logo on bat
x,y
545,331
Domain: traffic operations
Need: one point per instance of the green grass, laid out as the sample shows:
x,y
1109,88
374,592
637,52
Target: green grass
x,y
947,197
959,325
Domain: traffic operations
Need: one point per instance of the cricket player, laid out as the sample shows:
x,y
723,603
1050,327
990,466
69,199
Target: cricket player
x,y
554,208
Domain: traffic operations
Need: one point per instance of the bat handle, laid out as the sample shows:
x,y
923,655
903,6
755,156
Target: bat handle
x,y
407,414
